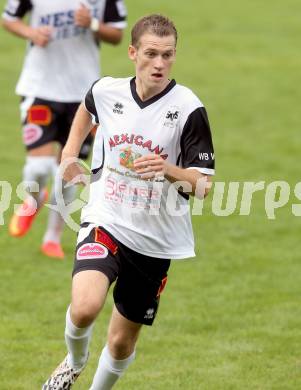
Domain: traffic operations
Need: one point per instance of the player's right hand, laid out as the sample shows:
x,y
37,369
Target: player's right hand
x,y
82,16
72,172
41,36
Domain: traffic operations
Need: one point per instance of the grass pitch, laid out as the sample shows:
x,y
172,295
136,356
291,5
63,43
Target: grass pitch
x,y
231,319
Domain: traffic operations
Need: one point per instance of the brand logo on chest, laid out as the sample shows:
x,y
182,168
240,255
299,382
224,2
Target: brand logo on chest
x,y
117,109
171,117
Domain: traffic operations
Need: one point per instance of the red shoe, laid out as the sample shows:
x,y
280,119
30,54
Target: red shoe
x,y
20,224
52,249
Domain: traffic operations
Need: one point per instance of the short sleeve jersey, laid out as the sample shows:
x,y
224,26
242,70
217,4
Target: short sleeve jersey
x,y
150,217
64,69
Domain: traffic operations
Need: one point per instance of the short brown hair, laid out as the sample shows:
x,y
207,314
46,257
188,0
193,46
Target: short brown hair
x,y
154,24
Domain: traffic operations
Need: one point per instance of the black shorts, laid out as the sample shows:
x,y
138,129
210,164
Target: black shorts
x,y
47,121
140,279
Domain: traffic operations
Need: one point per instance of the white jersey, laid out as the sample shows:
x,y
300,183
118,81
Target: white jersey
x,y
64,69
150,217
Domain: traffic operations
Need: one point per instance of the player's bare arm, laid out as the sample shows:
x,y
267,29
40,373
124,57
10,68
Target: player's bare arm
x,y
152,165
39,36
103,31
81,126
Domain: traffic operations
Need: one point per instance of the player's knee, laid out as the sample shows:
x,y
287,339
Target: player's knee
x,y
121,344
38,168
84,312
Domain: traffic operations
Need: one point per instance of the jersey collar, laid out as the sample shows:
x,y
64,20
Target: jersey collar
x,y
145,103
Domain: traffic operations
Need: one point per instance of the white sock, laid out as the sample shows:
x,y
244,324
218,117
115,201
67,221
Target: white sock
x,y
55,227
109,370
56,222
77,340
37,169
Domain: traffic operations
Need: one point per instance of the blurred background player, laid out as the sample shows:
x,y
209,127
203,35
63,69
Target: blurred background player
x,y
61,62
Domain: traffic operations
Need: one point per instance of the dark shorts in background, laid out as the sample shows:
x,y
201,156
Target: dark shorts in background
x,y
45,121
140,279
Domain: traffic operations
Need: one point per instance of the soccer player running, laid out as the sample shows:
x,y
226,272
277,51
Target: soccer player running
x,y
155,134
61,62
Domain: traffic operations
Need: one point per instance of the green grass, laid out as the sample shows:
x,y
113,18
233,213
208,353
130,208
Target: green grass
x,y
232,318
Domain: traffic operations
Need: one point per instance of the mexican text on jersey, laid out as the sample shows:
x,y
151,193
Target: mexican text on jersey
x,y
138,140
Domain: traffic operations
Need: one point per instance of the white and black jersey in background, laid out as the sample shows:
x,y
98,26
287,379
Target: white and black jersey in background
x,y
173,124
64,69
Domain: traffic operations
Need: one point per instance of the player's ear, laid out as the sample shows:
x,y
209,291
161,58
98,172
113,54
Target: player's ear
x,y
132,52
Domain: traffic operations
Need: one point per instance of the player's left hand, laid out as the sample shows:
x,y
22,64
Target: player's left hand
x,y
82,16
150,166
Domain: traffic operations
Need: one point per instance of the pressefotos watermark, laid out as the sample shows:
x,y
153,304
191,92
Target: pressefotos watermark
x,y
132,196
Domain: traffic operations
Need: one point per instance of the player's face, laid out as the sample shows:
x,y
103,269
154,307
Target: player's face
x,y
153,59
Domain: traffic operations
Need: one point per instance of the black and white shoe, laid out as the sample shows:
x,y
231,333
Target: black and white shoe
x,y
63,377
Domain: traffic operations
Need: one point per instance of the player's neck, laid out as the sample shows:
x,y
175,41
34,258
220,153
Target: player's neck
x,y
146,92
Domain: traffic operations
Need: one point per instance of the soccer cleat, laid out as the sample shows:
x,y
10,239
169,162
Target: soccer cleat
x,y
63,377
52,249
20,224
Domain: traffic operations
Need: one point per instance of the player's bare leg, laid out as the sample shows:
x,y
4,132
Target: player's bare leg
x,y
89,291
118,353
44,150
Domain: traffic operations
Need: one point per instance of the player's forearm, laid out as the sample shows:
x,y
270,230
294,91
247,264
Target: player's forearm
x,y
81,126
192,181
18,27
200,184
109,34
